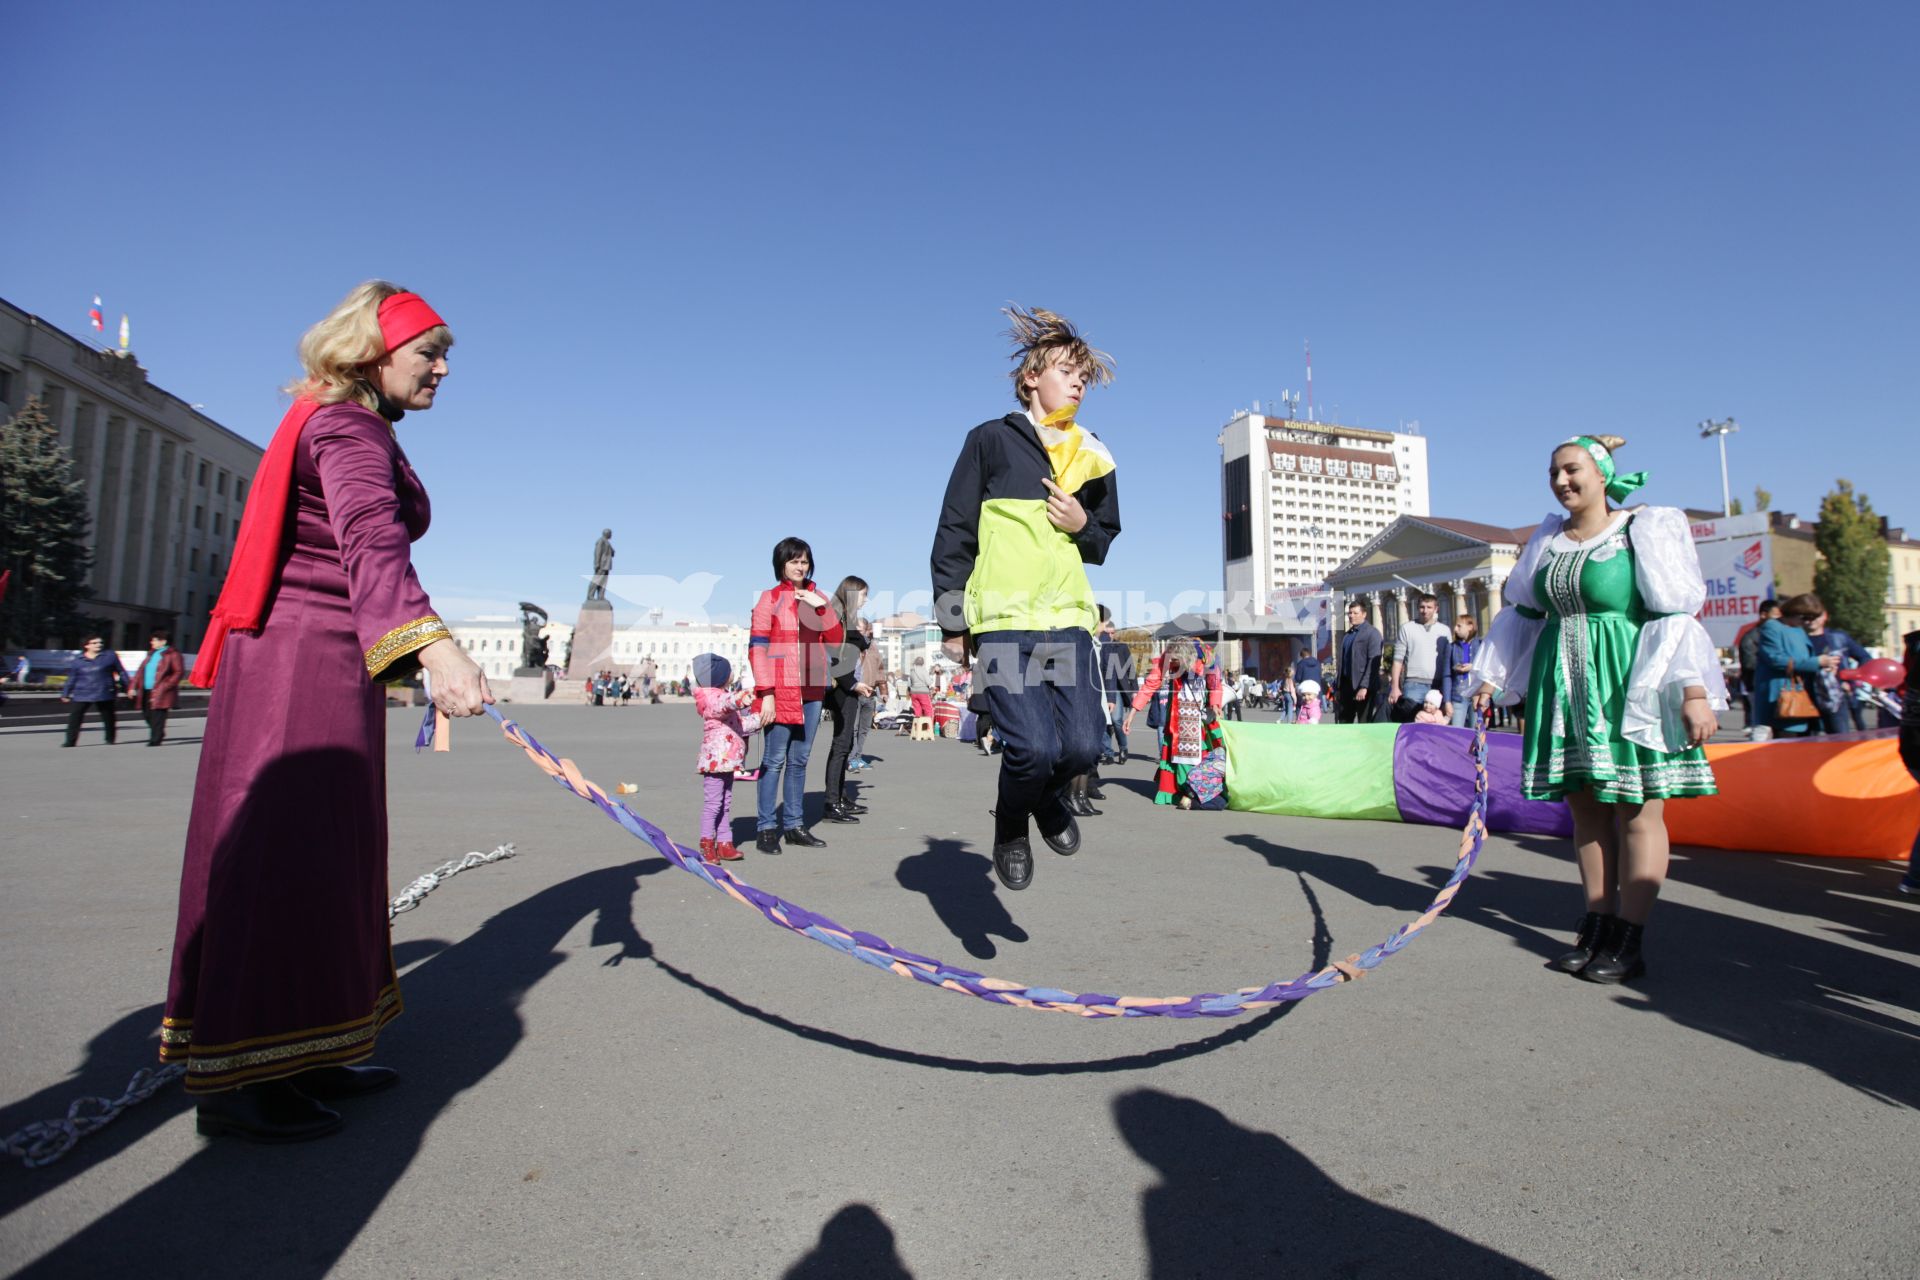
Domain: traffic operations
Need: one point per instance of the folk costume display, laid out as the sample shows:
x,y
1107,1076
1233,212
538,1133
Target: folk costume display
x,y
1600,639
281,959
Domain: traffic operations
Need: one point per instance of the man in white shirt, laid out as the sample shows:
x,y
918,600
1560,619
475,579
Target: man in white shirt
x,y
1420,661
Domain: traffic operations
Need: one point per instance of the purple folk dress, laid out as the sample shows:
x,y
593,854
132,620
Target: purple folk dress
x,y
282,958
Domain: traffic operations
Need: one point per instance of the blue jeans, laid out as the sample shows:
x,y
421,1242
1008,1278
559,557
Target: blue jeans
x,y
788,746
1043,691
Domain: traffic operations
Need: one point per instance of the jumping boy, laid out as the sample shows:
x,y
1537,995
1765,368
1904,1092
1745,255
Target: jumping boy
x,y
1031,502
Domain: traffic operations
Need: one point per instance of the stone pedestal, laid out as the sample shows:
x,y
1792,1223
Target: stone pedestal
x,y
592,640
530,684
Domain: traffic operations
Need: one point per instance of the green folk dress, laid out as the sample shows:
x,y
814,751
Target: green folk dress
x,y
1577,693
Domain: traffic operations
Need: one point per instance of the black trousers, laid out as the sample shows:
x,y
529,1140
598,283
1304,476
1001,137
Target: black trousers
x,y
78,711
1046,708
844,707
156,724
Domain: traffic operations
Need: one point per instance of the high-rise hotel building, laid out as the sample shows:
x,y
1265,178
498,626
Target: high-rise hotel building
x,y
1299,498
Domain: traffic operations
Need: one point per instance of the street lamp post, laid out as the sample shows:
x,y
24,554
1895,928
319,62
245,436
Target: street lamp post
x,y
1723,429
1313,532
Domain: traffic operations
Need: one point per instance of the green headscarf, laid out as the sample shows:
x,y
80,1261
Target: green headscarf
x,y
1618,486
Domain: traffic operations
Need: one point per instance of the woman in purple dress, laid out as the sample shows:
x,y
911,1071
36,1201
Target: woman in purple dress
x,y
282,967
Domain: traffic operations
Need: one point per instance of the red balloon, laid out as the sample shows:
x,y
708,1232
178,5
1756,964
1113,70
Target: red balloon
x,y
1881,673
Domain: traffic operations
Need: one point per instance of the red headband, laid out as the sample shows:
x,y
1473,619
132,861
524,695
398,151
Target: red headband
x,y
404,317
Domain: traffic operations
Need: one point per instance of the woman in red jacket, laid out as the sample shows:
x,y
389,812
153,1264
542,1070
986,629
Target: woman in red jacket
x,y
793,630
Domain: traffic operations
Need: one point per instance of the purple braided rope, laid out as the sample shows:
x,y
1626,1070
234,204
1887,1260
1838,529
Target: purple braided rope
x,y
881,954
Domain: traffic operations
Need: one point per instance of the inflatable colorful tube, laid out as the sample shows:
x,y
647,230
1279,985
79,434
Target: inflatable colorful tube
x,y
1846,797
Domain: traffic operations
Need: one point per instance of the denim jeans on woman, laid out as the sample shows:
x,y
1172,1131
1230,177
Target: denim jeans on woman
x,y
788,746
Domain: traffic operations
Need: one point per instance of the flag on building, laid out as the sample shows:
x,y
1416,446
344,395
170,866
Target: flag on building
x,y
93,314
125,334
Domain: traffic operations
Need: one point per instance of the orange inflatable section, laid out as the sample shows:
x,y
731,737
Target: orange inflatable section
x,y
1830,798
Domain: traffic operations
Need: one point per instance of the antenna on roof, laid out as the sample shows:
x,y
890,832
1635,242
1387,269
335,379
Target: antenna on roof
x,y
1309,346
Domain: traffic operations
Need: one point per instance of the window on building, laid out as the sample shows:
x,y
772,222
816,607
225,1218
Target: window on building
x,y
6,387
1363,471
199,517
213,566
240,490
193,560
219,524
1310,466
1285,461
1239,512
220,486
1336,466
202,479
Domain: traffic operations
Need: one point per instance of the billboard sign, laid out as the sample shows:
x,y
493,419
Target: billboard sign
x,y
1736,559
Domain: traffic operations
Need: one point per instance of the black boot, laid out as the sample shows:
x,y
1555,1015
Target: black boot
x,y
767,841
1081,806
1617,958
1093,791
1593,926
804,838
271,1112
837,811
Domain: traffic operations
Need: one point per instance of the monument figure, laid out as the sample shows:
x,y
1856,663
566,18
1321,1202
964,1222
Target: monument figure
x,y
533,649
602,566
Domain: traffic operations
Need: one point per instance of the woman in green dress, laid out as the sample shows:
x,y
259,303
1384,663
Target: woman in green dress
x,y
1620,683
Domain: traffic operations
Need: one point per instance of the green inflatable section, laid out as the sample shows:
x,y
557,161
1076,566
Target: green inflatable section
x,y
1312,770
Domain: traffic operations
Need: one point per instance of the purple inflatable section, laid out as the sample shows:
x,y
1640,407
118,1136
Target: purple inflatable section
x,y
1433,782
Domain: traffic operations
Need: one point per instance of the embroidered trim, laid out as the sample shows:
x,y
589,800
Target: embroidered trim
x,y
1613,782
403,640
203,1067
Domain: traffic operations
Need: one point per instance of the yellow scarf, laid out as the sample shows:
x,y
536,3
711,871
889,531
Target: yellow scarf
x,y
1075,456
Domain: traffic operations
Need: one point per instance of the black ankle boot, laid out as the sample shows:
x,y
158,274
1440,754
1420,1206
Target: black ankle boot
x,y
767,841
1077,798
1593,927
1617,958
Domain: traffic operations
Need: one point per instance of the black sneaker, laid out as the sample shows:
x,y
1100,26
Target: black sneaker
x,y
1013,863
803,838
767,841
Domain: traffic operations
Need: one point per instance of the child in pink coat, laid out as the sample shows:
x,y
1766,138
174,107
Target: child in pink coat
x,y
726,721
1309,712
1430,711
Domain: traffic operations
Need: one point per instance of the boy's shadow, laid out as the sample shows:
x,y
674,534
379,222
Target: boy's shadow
x,y
959,887
293,1211
1236,1202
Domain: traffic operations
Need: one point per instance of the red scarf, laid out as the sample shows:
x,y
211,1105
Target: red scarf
x,y
258,547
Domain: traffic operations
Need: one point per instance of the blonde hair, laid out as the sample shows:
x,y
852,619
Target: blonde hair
x,y
335,354
1040,338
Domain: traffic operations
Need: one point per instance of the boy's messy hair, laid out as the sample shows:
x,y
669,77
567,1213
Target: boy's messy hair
x,y
1040,338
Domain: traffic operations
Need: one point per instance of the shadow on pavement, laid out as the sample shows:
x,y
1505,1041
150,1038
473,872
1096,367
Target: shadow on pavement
x,y
854,1242
1238,1034
293,1211
960,887
1237,1202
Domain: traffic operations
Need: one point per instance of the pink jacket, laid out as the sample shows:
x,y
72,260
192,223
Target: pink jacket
x,y
726,724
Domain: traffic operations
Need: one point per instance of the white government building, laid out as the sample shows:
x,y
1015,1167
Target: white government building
x,y
1299,498
165,483
494,641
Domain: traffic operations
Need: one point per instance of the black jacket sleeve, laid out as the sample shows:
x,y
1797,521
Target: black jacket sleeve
x,y
1101,500
956,541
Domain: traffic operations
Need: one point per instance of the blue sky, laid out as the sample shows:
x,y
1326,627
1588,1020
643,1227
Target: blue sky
x,y
723,273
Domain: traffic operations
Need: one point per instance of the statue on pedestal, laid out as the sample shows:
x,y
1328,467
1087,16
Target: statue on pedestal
x,y
533,649
602,566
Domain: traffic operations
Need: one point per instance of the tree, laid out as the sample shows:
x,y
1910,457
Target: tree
x,y
1851,579
1762,499
43,532
1734,508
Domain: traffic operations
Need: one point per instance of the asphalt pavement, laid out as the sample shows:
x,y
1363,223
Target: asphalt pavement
x,y
611,1070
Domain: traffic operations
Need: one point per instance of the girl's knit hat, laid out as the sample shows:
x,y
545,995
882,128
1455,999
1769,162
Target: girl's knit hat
x,y
711,671
1310,688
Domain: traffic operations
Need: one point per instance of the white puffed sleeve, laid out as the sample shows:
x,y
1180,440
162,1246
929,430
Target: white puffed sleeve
x,y
1675,653
1504,659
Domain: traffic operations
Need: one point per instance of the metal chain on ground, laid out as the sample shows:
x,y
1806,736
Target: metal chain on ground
x,y
44,1141
881,954
414,894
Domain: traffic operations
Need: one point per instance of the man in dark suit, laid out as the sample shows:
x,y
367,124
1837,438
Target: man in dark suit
x,y
1357,695
156,686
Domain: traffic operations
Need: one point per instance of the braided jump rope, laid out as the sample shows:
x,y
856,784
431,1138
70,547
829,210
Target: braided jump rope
x,y
877,951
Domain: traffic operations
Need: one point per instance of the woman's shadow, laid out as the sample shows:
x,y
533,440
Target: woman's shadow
x,y
959,888
293,1211
1236,1202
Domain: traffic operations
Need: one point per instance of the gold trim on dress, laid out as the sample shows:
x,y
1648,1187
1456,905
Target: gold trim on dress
x,y
403,640
208,1071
